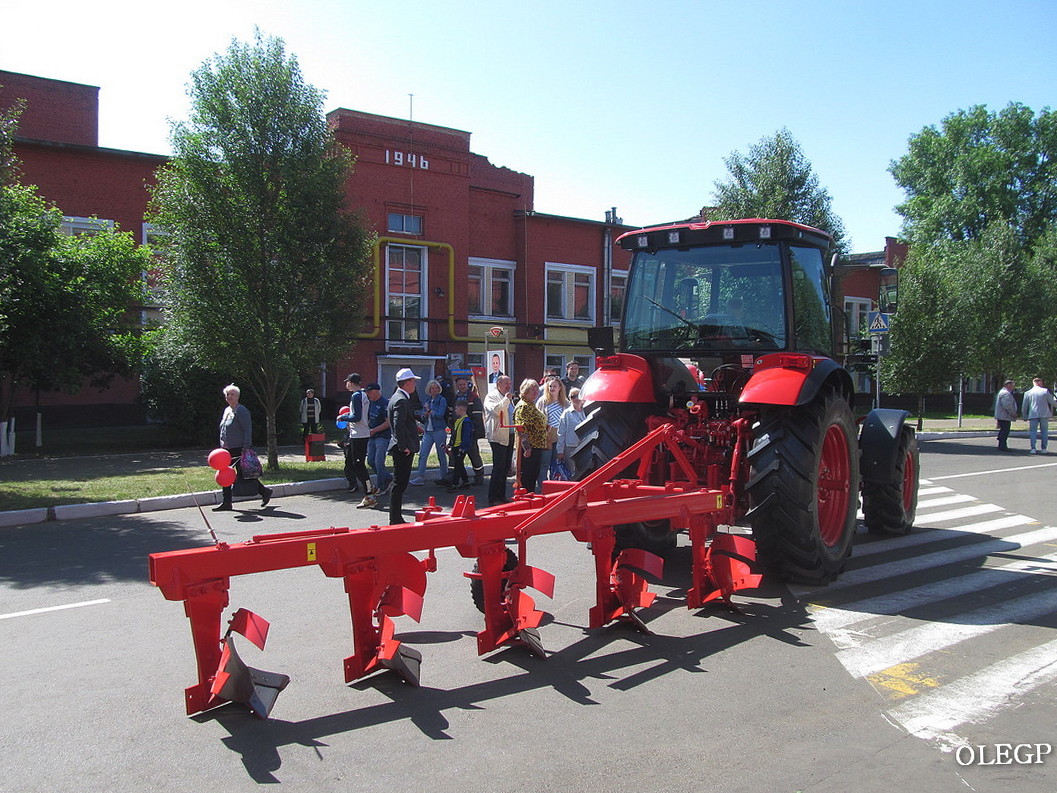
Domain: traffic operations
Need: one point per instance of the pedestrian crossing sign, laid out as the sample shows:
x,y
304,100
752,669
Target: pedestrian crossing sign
x,y
878,322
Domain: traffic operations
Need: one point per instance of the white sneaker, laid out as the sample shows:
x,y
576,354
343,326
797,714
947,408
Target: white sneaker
x,y
1033,452
418,480
368,501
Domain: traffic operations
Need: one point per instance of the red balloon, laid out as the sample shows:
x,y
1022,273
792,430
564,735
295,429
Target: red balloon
x,y
225,477
219,459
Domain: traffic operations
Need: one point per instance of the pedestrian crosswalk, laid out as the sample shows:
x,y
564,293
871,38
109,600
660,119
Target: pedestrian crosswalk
x,y
920,616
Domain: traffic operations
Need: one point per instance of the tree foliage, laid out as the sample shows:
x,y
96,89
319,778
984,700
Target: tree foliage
x,y
64,301
978,289
259,240
980,168
775,180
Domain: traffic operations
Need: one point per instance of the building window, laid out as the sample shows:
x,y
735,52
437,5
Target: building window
x,y
491,288
405,278
405,224
618,287
570,292
76,226
857,312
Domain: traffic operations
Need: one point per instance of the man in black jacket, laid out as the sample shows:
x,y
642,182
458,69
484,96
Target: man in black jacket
x,y
405,442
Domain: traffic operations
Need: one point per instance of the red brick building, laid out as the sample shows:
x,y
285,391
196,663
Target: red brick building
x,y
461,248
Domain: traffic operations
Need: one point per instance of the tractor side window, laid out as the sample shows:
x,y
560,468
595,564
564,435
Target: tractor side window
x,y
811,318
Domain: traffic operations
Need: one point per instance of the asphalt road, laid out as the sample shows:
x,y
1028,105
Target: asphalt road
x,y
866,685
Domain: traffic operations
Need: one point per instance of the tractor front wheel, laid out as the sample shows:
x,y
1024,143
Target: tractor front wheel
x,y
803,488
890,507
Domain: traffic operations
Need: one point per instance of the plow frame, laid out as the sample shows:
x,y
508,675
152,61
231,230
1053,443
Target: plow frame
x,y
384,578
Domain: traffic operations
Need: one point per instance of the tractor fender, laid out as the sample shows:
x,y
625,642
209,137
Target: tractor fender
x,y
879,442
619,378
794,385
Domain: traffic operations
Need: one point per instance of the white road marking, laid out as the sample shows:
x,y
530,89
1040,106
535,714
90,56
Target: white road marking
x,y
831,619
932,503
993,471
925,561
877,654
924,536
964,512
972,699
54,608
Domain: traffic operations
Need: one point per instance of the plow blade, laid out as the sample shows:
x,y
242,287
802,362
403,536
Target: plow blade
x,y
237,682
726,566
393,655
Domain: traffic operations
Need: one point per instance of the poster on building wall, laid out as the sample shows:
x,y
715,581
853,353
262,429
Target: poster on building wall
x,y
496,366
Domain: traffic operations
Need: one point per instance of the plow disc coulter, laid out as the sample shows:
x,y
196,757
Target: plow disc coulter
x,y
385,579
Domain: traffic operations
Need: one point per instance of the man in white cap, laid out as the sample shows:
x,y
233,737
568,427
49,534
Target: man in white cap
x,y
404,444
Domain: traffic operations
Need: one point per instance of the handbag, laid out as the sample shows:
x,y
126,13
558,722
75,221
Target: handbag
x,y
552,434
559,471
250,464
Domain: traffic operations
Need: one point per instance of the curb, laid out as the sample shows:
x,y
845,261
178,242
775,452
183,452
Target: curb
x,y
102,509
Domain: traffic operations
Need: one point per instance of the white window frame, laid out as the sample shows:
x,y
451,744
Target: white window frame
x,y
393,341
614,317
568,274
489,269
74,226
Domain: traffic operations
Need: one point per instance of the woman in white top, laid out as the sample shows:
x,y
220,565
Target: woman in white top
x,y
552,402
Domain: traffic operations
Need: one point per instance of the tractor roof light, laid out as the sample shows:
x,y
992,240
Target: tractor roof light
x,y
608,362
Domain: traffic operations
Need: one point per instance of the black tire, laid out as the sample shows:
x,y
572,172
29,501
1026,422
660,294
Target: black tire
x,y
890,507
609,429
477,586
803,488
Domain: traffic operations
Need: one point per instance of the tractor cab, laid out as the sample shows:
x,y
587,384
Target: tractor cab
x,y
726,292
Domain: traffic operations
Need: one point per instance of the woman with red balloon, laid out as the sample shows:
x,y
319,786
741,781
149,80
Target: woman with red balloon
x,y
236,433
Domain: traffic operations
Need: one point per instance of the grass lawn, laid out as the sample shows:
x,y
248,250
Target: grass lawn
x,y
29,481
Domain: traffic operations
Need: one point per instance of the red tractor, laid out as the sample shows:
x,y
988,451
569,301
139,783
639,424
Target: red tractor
x,y
728,334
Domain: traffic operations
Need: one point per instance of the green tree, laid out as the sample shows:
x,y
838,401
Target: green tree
x,y
980,214
775,180
928,333
64,301
977,169
259,240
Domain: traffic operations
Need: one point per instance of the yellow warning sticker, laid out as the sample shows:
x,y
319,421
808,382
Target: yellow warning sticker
x,y
311,551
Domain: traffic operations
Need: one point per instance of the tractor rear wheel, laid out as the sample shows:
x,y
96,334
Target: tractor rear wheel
x,y
609,429
890,507
803,488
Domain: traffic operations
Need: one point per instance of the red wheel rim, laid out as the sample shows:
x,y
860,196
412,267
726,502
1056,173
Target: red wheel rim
x,y
909,479
834,485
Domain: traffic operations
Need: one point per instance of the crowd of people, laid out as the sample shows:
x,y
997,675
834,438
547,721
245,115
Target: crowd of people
x,y
531,433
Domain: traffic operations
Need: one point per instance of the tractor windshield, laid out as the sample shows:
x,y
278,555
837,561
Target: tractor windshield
x,y
710,298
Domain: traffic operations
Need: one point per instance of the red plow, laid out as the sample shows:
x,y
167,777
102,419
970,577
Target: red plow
x,y
384,578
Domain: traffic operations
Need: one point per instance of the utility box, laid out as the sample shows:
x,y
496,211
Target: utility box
x,y
314,451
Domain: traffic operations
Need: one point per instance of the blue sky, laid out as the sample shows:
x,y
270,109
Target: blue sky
x,y
626,104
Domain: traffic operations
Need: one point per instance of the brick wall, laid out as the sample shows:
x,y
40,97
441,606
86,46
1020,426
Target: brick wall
x,y
55,110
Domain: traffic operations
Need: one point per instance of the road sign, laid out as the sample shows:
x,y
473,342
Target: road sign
x,y
879,322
